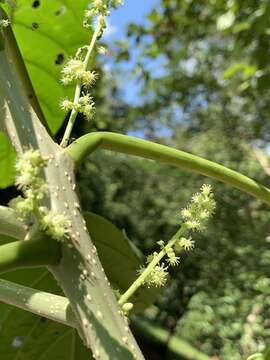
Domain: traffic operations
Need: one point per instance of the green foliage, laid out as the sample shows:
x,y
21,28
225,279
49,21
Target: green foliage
x,y
119,257
7,160
48,33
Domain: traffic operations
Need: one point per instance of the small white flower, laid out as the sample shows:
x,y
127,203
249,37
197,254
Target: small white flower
x,y
158,276
186,244
55,225
4,23
66,105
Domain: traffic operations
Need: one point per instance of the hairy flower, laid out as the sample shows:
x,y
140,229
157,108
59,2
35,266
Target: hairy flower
x,y
22,207
88,78
4,23
158,276
72,71
55,225
28,166
85,100
173,260
66,105
201,207
186,244
88,110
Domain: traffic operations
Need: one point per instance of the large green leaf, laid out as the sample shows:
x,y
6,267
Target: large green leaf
x,y
7,158
119,259
48,33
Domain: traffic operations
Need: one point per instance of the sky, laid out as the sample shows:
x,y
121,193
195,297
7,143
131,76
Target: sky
x,y
130,11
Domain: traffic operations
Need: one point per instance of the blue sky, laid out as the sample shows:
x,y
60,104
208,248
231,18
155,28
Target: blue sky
x,y
130,11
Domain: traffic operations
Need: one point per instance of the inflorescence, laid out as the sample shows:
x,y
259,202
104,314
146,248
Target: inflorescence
x,y
76,70
193,218
28,208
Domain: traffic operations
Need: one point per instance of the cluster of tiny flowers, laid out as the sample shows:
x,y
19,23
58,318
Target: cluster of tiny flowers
x,y
4,23
85,106
74,70
28,167
185,243
194,217
201,207
172,259
54,224
102,7
157,277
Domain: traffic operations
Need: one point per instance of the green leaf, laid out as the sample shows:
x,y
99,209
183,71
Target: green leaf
x,y
119,259
7,159
48,33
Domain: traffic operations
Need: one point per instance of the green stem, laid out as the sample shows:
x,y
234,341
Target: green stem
x,y
37,302
78,89
29,253
142,278
9,225
85,145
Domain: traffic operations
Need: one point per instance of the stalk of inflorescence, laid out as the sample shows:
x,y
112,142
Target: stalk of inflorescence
x,y
76,69
146,273
194,217
76,101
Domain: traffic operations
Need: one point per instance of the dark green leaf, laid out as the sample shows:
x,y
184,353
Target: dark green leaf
x,y
119,259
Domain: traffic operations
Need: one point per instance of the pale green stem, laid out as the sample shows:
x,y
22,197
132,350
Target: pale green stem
x,y
78,89
9,225
140,281
85,145
44,304
42,251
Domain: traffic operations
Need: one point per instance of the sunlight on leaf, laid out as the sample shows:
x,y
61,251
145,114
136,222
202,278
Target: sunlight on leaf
x,y
7,158
48,33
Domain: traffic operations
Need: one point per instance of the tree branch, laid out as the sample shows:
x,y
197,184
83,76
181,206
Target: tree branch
x,y
44,304
86,144
9,225
29,253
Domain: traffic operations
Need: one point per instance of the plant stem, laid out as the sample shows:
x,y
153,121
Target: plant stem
x,y
37,302
29,253
142,278
78,89
11,226
86,144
